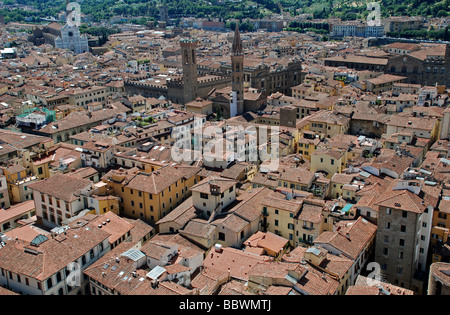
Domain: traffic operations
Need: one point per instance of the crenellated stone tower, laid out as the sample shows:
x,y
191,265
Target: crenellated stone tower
x,y
237,69
190,76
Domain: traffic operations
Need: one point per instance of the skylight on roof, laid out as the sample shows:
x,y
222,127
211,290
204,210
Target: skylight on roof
x,y
38,240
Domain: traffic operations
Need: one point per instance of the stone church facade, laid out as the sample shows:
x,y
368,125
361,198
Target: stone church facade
x,y
71,39
426,69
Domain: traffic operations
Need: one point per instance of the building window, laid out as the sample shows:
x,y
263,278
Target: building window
x,y
49,283
6,226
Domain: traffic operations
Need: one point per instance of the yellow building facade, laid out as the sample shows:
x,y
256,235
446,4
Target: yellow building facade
x,y
328,161
151,196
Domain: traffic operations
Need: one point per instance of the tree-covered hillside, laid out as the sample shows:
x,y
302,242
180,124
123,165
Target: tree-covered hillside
x,y
148,9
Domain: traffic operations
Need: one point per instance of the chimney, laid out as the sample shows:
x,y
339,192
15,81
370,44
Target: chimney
x,y
215,190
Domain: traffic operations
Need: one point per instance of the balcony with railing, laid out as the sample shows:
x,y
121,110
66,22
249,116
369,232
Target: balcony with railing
x,y
308,228
305,242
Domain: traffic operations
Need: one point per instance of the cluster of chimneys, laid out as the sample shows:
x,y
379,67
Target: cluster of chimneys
x,y
347,235
103,223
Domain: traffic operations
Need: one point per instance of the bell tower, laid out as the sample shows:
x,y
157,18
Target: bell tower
x,y
237,71
190,77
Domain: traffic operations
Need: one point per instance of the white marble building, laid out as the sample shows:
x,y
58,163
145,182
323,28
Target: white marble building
x,y
71,39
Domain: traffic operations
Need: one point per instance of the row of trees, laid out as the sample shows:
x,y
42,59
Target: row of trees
x,y
442,34
102,32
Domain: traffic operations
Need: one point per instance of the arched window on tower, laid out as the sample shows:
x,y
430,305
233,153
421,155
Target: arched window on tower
x,y
186,58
